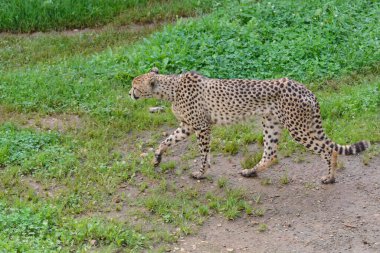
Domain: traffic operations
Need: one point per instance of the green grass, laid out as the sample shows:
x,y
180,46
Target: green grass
x,y
231,204
40,15
262,227
24,50
349,115
25,229
17,50
222,182
308,41
70,188
250,160
75,84
284,179
168,166
45,154
229,140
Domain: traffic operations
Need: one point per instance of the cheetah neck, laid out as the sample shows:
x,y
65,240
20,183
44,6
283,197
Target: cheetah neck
x,y
165,87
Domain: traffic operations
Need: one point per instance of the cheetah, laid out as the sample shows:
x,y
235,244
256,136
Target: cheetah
x,y
199,102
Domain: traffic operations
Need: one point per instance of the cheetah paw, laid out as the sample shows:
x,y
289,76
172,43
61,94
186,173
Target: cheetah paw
x,y
198,175
248,173
156,160
328,180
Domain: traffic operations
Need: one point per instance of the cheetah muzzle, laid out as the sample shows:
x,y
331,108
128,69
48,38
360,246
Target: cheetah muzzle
x,y
199,102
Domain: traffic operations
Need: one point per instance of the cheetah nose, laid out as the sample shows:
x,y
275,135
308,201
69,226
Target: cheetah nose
x,y
132,94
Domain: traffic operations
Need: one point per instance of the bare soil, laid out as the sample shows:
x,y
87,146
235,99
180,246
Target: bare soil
x,y
301,216
51,191
60,123
133,27
57,122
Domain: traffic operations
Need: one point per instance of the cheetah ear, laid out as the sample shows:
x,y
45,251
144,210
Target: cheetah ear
x,y
152,81
154,70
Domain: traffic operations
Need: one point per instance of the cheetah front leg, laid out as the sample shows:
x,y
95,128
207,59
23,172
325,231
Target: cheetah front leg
x,y
203,138
179,134
272,130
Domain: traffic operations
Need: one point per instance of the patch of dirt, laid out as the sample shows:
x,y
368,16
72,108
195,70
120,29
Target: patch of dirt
x,y
121,209
125,194
130,27
143,142
301,216
40,189
60,123
133,27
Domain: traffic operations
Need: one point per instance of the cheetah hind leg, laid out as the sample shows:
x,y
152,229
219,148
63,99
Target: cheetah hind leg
x,y
317,146
331,158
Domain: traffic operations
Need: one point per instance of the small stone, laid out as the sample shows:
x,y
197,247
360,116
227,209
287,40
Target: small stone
x,y
93,242
165,134
230,250
156,109
143,154
254,222
219,225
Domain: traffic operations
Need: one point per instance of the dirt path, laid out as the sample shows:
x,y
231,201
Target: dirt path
x,y
301,216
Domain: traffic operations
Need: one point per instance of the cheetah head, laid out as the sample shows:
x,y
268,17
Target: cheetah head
x,y
143,85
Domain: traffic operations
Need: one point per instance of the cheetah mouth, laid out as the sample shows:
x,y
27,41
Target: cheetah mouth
x,y
133,95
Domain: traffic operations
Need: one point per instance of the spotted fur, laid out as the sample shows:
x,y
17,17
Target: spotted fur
x,y
199,102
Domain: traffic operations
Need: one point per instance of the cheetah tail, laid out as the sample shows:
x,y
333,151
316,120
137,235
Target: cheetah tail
x,y
352,149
